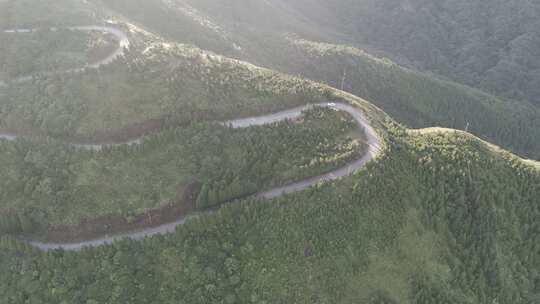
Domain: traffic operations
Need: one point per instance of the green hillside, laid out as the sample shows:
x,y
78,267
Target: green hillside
x,y
439,219
436,216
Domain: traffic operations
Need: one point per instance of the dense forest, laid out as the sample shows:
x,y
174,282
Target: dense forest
x,y
50,183
439,219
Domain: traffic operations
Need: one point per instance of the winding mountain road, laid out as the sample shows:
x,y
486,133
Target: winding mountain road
x,y
372,139
374,146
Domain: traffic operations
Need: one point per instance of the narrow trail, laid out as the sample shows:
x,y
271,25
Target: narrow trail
x,y
372,139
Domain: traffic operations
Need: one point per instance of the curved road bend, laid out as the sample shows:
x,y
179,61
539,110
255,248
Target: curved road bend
x,y
374,145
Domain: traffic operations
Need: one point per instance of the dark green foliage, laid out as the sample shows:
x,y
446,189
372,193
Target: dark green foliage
x,y
10,223
425,291
20,222
478,222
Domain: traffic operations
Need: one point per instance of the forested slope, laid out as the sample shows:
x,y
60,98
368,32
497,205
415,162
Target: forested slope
x,y
439,219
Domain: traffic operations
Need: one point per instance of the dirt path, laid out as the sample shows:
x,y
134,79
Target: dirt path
x,y
373,141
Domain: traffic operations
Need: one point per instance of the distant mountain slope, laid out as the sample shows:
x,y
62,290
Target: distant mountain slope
x,y
492,45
